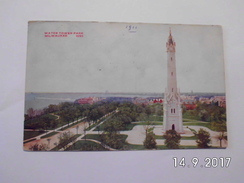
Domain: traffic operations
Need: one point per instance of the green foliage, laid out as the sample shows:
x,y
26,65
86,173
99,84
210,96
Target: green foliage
x,y
221,127
49,135
182,138
67,115
92,136
83,145
113,140
206,112
68,112
136,112
150,141
38,147
190,114
29,140
43,122
146,122
157,109
148,110
172,139
203,138
64,139
64,105
31,134
73,124
198,123
113,125
189,120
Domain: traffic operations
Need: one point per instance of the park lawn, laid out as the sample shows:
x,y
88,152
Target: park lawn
x,y
150,123
182,138
89,145
62,129
99,127
198,123
97,123
128,147
49,135
155,118
97,137
159,147
92,136
92,126
188,147
31,134
190,120
137,147
189,138
126,127
67,142
121,137
189,114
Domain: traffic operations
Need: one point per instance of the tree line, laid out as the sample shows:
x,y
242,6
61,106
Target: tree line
x,y
68,112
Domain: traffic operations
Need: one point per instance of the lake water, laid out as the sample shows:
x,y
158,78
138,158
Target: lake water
x,y
42,100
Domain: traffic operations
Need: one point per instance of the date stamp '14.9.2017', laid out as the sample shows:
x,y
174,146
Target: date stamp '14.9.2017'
x,y
208,162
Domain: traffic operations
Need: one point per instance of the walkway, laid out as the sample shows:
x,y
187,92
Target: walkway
x,y
137,135
55,138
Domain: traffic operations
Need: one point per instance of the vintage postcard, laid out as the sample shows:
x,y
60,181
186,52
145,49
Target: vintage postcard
x,y
124,86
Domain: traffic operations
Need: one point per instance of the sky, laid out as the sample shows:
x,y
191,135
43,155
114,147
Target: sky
x,y
111,58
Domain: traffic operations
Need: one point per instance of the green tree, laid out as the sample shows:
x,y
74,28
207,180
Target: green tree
x,y
113,125
64,139
66,116
53,124
159,110
220,126
148,110
86,114
45,122
52,108
111,135
143,117
172,139
204,115
203,138
150,141
94,115
113,140
64,105
38,147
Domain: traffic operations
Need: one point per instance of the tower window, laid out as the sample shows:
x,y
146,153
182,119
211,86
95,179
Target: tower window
x,y
171,59
172,89
171,73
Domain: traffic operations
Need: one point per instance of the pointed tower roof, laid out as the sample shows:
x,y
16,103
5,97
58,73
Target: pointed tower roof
x,y
170,39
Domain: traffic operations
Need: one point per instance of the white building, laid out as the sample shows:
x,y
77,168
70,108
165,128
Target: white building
x,y
172,104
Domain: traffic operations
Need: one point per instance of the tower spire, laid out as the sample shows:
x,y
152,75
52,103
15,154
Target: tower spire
x,y
172,104
170,40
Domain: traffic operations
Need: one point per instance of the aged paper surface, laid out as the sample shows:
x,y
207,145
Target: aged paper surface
x,y
124,86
